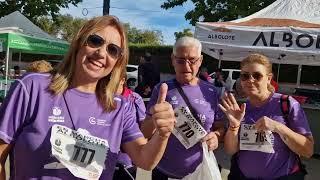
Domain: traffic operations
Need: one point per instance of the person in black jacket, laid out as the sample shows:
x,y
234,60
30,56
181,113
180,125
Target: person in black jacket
x,y
148,72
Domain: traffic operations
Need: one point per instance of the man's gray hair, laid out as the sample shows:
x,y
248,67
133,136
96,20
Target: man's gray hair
x,y
187,41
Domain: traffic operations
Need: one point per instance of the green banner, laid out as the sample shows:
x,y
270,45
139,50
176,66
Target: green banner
x,y
36,45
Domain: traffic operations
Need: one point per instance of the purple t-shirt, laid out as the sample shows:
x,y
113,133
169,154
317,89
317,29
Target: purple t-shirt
x,y
257,164
177,160
29,112
140,108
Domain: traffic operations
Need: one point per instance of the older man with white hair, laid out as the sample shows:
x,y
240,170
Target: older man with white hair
x,y
196,108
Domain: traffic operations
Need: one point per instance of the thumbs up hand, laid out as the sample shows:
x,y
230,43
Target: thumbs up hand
x,y
163,114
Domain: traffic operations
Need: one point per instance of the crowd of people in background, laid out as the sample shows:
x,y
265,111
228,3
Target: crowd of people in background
x,y
39,66
80,120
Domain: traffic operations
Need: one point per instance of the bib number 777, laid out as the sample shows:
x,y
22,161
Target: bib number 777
x,y
81,154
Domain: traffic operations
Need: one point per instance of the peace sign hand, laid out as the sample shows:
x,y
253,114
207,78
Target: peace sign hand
x,y
232,110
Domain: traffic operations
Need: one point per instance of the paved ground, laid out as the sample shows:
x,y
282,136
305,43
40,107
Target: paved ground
x,y
313,167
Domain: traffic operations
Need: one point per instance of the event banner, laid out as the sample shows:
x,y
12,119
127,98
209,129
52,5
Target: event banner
x,y
37,45
285,39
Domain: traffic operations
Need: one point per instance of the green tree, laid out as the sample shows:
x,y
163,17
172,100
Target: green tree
x,y
69,26
34,9
65,26
139,36
185,32
47,25
218,10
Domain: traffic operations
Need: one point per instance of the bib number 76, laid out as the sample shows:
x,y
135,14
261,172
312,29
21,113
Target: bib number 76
x,y
260,137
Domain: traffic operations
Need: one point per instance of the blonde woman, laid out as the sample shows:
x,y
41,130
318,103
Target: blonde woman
x,y
70,124
265,142
40,66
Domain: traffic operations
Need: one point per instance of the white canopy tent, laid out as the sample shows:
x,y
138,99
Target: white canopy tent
x,y
287,31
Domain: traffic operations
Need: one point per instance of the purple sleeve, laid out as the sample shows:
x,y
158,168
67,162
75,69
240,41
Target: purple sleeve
x,y
153,99
140,107
298,121
13,111
131,129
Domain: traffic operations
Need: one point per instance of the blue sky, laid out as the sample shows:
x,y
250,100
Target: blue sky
x,y
143,14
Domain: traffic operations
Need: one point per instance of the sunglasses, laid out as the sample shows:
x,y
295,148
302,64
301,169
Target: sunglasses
x,y
184,60
96,41
255,75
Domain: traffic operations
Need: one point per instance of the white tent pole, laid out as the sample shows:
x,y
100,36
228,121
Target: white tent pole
x,y
278,72
220,57
299,75
7,69
279,63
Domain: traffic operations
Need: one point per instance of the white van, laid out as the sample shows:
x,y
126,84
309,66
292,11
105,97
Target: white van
x,y
132,76
230,76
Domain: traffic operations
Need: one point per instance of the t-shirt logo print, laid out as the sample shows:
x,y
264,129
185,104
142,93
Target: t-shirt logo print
x,y
57,142
174,100
56,115
99,122
56,111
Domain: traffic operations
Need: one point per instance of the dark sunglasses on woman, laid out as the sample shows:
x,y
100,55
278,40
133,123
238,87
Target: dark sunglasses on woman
x,y
96,41
255,75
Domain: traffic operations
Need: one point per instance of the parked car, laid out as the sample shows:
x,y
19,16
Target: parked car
x,y
230,76
132,76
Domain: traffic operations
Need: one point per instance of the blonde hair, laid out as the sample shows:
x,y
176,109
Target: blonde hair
x,y
106,86
259,59
40,66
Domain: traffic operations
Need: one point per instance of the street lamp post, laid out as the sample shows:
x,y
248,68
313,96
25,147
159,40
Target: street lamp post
x,y
106,7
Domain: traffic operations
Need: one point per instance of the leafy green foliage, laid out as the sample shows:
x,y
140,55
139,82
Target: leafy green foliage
x,y
34,9
65,26
138,36
185,32
218,10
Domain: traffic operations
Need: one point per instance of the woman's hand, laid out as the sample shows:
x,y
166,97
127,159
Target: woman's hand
x,y
266,124
163,114
232,110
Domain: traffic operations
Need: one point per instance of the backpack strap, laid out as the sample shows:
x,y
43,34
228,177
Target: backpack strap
x,y
285,106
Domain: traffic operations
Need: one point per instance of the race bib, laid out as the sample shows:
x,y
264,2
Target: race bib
x,y
187,129
252,140
83,154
